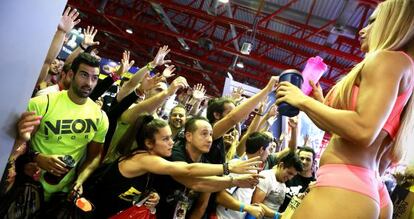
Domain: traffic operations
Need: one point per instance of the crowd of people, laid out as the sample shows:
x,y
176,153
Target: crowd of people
x,y
194,160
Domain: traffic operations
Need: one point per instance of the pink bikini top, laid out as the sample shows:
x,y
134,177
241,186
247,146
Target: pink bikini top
x,y
393,122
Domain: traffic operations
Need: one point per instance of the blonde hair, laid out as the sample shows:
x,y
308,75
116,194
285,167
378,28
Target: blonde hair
x,y
391,31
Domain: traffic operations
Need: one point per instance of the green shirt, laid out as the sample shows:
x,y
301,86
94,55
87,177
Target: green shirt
x,y
66,129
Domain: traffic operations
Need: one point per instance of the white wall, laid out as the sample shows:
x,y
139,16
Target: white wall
x,y
27,30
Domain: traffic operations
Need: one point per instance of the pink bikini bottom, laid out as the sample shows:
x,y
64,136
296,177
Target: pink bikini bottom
x,y
353,178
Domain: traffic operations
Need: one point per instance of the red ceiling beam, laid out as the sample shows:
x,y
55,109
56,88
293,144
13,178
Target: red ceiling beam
x,y
290,23
168,32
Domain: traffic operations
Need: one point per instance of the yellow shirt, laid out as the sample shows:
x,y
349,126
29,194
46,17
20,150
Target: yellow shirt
x,y
66,129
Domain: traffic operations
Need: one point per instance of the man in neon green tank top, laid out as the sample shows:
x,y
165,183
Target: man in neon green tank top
x,y
71,124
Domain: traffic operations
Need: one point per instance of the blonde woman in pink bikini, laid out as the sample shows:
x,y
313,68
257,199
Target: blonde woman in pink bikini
x,y
370,115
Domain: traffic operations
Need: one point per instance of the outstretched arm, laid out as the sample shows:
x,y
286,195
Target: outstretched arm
x,y
253,127
241,111
67,22
154,164
151,104
132,84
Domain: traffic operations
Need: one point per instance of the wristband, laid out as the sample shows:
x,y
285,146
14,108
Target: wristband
x,y
276,216
82,47
114,76
149,66
241,207
226,170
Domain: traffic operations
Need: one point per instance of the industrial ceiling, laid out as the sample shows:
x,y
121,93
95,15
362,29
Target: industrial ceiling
x,y
206,36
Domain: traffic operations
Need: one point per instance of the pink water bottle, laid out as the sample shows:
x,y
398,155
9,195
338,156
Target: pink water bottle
x,y
313,71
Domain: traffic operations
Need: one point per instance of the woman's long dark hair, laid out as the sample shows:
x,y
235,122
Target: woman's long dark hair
x,y
145,127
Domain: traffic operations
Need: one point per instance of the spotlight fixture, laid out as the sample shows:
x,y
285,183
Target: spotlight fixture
x,y
246,48
240,65
129,30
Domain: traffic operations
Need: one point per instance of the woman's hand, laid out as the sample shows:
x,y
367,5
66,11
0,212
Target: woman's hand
x,y
317,92
289,93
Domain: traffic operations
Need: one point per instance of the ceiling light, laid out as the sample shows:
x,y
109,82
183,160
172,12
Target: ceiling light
x,y
224,1
240,65
129,30
246,48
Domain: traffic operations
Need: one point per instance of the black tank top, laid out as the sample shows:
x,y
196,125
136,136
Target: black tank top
x,y
111,192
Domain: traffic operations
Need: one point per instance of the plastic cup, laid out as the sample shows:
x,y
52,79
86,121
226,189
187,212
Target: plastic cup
x,y
294,77
53,179
313,71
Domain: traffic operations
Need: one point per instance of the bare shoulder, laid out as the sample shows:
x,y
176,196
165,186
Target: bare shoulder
x,y
391,63
145,158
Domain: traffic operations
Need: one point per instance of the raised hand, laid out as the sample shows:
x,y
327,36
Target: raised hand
x,y
168,71
27,123
159,58
246,166
317,92
178,83
199,92
68,20
125,64
237,93
88,35
149,82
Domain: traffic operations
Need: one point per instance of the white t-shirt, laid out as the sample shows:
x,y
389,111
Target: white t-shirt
x,y
275,191
242,194
48,90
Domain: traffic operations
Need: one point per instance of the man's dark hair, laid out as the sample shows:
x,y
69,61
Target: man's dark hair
x,y
255,141
307,149
66,67
178,106
292,160
190,125
84,58
216,106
